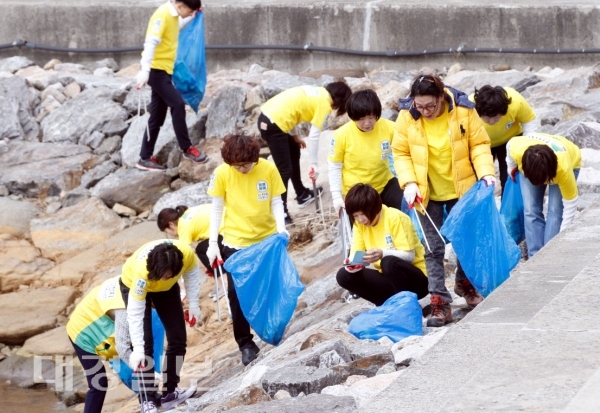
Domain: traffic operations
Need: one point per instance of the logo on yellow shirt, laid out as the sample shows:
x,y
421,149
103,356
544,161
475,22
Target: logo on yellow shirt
x,y
262,188
211,184
389,242
385,149
332,146
509,125
156,26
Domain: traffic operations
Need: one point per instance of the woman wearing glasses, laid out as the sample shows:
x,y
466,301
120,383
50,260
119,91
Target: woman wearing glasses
x,y
441,151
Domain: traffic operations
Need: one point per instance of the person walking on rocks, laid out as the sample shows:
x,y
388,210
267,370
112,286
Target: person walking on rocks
x,y
149,279
277,125
441,151
545,161
157,63
360,150
191,225
505,113
249,189
391,244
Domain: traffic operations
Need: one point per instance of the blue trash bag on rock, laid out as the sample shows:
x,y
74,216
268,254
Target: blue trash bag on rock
x,y
189,74
267,285
125,372
512,210
399,317
482,244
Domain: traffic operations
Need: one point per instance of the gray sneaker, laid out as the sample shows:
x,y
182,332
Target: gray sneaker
x,y
148,407
177,397
149,165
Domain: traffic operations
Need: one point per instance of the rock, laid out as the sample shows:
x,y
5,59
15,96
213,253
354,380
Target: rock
x,y
254,98
55,93
413,347
310,403
22,264
109,63
104,71
501,67
28,313
3,192
385,76
129,72
385,342
123,211
93,140
48,106
75,229
16,109
248,396
583,130
467,81
224,111
89,81
454,69
20,370
53,207
50,65
72,90
71,68
88,112
333,352
51,343
389,114
15,63
190,195
136,189
329,359
335,73
365,390
296,379
115,127
38,77
386,369
36,169
391,93
75,196
109,145
194,172
97,173
360,83
367,359
281,394
281,83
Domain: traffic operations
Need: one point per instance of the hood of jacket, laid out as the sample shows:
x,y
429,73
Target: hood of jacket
x,y
452,96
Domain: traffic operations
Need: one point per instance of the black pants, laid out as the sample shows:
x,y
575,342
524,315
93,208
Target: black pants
x,y
241,327
201,249
95,373
392,195
164,96
374,286
499,152
286,155
170,311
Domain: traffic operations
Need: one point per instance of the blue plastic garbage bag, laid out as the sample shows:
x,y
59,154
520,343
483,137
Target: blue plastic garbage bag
x,y
399,317
512,210
125,372
189,74
482,244
267,285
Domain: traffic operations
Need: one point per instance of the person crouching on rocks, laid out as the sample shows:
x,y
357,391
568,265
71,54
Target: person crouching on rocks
x,y
249,189
390,241
149,279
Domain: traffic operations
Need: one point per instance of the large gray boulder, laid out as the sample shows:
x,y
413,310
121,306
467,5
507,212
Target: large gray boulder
x,y
300,379
190,195
75,229
583,130
138,100
15,216
36,169
138,190
16,110
88,112
225,111
467,81
310,403
97,173
279,84
12,64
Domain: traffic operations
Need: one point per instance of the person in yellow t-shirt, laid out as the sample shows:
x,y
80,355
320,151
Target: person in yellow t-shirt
x,y
149,278
359,152
545,161
505,113
277,124
441,151
249,189
390,241
157,63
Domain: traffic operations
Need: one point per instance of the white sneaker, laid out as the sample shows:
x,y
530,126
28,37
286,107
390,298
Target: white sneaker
x,y
213,292
149,407
177,397
221,294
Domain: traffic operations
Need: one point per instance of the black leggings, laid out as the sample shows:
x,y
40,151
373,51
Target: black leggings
x,y
95,373
499,152
397,275
392,195
201,249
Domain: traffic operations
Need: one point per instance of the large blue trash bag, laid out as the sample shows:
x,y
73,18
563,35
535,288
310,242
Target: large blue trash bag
x,y
189,74
512,210
482,244
267,285
399,317
124,371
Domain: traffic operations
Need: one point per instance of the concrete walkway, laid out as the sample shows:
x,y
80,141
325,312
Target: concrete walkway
x,y
531,346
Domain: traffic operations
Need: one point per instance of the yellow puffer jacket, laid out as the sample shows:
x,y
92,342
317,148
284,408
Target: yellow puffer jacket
x,y
471,155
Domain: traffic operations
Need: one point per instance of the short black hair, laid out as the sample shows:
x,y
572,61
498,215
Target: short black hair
x,y
163,258
363,198
426,85
192,4
539,164
363,103
491,101
168,215
339,92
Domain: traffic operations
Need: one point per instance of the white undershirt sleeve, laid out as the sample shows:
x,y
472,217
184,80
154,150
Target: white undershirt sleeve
x,y
135,319
216,214
278,212
529,127
313,144
408,256
148,53
335,179
191,281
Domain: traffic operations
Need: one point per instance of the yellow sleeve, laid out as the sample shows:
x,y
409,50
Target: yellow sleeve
x,y
322,112
190,260
156,27
139,288
216,187
479,147
338,146
184,233
525,113
403,164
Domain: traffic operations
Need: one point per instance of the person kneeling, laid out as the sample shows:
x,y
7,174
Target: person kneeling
x,y
391,244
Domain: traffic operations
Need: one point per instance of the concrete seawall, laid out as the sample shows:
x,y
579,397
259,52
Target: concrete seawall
x,y
377,26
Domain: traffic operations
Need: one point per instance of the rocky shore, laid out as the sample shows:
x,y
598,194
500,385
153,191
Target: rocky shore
x,y
73,208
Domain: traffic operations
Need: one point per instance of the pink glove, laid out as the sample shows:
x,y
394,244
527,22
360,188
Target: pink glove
x,y
313,174
513,174
352,268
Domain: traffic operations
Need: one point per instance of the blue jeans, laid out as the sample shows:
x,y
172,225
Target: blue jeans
x,y
539,230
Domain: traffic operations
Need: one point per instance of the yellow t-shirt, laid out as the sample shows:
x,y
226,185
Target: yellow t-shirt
x,y
164,24
394,231
509,125
135,274
194,224
364,154
89,325
567,154
439,168
248,217
299,104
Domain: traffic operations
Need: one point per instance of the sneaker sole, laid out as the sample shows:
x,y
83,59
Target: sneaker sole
x,y
145,168
200,162
306,203
437,324
173,404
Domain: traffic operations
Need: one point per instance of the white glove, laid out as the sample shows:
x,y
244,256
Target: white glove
x,y
193,315
338,204
213,253
137,359
141,79
287,234
411,192
313,174
490,180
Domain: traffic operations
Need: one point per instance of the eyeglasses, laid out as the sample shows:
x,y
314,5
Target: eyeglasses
x,y
241,166
427,108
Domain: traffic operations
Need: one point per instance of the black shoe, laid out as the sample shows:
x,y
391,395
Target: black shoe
x,y
149,165
307,197
288,220
249,354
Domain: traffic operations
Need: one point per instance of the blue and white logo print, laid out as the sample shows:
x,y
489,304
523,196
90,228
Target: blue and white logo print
x,y
262,188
